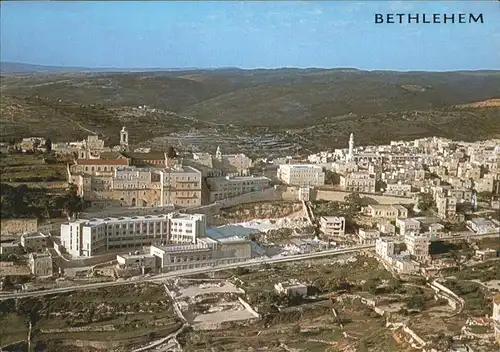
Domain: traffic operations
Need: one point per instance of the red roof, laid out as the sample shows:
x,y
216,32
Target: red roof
x,y
102,161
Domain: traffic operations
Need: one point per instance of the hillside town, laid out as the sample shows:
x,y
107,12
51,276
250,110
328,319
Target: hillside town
x,y
151,214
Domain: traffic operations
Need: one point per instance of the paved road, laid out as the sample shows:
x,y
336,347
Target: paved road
x,y
179,273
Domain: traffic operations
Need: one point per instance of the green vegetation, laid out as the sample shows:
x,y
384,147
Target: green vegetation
x,y
28,167
130,314
22,201
318,105
483,272
426,202
476,302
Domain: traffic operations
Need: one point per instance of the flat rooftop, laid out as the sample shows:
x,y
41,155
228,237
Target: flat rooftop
x,y
177,248
138,218
302,166
33,235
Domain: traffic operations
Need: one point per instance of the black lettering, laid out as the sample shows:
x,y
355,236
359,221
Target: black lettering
x,y
479,18
461,18
400,15
423,19
379,18
390,18
452,18
436,18
410,17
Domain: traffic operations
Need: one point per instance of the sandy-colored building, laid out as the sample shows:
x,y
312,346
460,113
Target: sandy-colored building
x,y
417,245
358,182
40,264
398,189
381,211
34,242
129,186
446,206
368,236
231,186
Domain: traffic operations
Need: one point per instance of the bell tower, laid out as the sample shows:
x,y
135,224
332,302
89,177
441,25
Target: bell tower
x,y
124,138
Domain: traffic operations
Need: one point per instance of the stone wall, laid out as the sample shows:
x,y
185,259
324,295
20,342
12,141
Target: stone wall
x,y
340,195
18,226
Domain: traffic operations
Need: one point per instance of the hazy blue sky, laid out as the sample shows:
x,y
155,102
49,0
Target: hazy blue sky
x,y
247,35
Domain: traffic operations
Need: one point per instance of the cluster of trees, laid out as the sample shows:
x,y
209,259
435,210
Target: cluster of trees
x,y
426,202
22,201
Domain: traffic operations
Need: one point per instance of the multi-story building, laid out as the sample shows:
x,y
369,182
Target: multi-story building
x,y
417,245
232,186
384,247
40,264
381,211
358,182
301,174
484,185
144,187
86,238
446,206
398,189
34,242
407,226
333,226
496,316
368,236
225,164
206,252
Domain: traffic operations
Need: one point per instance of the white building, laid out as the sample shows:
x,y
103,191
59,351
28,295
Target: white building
x,y
481,226
292,288
301,174
368,236
333,226
407,226
398,189
384,247
90,237
417,245
145,262
232,186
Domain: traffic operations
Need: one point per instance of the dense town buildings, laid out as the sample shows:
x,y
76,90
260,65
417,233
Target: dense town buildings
x,y
231,186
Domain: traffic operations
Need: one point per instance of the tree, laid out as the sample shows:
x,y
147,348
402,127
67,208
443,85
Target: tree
x,y
416,302
371,285
48,145
425,201
171,152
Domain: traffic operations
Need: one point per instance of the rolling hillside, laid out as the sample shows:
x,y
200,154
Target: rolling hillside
x,y
381,105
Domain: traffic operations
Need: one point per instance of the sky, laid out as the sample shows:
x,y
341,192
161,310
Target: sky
x,y
257,34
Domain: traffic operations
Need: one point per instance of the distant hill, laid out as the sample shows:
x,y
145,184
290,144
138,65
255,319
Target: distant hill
x,y
7,67
377,104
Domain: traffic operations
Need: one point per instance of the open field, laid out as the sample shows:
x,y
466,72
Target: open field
x,y
30,168
109,318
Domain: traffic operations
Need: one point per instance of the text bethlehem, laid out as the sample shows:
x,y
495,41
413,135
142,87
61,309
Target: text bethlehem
x,y
404,18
